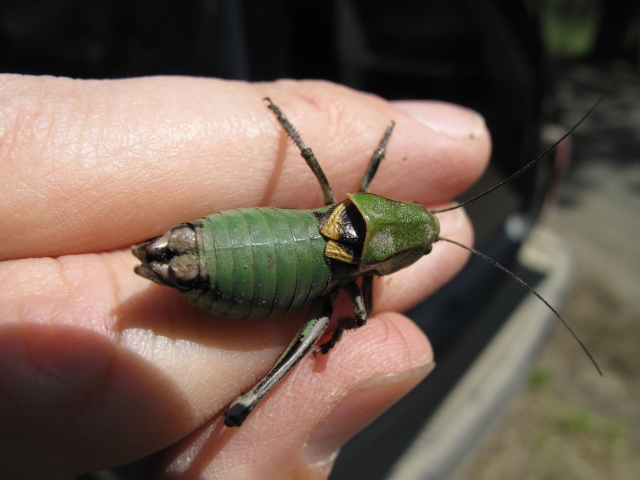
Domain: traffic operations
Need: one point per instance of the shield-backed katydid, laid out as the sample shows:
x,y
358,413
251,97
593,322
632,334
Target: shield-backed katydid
x,y
261,262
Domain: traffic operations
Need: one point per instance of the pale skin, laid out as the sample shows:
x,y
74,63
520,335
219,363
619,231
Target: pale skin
x,y
99,367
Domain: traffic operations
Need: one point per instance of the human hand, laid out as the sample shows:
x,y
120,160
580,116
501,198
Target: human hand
x,y
99,367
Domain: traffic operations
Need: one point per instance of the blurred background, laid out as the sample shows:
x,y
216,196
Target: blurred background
x,y
506,400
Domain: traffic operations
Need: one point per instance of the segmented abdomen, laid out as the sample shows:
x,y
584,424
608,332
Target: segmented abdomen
x,y
261,262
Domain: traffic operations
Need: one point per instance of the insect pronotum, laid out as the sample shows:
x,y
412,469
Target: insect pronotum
x,y
261,262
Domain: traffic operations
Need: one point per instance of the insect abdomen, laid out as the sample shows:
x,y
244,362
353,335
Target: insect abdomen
x,y
261,262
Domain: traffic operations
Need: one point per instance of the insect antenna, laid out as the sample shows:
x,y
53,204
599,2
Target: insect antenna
x,y
528,166
532,290
504,269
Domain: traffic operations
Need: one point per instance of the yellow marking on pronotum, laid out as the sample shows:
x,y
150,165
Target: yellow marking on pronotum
x,y
335,251
331,228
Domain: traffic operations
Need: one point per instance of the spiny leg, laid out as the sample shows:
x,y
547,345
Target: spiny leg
x,y
306,153
376,158
318,320
347,323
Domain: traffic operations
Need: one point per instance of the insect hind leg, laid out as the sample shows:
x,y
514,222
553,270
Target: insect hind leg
x,y
305,151
317,322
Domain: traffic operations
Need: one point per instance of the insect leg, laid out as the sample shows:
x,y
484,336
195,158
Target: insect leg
x,y
319,316
347,323
306,153
376,158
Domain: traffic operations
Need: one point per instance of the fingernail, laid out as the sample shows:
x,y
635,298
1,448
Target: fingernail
x,y
452,221
360,407
444,118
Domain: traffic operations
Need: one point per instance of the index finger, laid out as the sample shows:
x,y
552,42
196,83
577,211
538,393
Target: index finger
x,y
98,165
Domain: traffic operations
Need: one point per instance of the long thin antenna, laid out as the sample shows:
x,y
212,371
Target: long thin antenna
x,y
523,283
529,165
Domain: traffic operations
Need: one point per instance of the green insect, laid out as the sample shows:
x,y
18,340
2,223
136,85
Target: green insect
x,y
261,262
